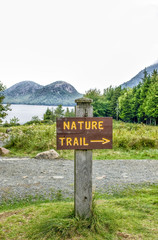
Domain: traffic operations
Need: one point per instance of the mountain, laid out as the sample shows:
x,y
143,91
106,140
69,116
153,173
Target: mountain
x,y
136,79
29,92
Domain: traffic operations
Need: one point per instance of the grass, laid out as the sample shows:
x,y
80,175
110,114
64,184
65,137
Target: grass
x,y
115,154
128,214
130,141
131,214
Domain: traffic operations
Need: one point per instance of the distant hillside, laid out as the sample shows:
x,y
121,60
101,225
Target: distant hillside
x,y
136,79
28,92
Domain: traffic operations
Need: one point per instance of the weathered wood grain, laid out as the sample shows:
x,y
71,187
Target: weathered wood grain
x,y
83,168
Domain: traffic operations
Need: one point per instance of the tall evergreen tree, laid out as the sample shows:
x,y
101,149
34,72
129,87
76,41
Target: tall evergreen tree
x,y
3,108
59,111
143,94
151,104
125,106
69,113
135,102
114,104
49,115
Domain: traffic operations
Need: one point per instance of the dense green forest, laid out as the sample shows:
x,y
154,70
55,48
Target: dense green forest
x,y
138,104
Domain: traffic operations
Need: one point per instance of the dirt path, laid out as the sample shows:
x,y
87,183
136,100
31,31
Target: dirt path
x,y
20,177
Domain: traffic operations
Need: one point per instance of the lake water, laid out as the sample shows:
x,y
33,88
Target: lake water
x,y
25,112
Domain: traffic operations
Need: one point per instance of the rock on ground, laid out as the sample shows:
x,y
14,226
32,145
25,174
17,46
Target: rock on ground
x,y
51,154
4,151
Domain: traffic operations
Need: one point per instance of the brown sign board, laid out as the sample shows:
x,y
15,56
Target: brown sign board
x,y
84,133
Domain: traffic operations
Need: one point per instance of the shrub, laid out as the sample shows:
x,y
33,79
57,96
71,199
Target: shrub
x,y
32,138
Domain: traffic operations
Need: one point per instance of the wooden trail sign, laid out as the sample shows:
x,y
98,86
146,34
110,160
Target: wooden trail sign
x,y
84,133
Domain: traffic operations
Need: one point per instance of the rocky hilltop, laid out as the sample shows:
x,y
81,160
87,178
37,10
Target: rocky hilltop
x,y
29,92
136,79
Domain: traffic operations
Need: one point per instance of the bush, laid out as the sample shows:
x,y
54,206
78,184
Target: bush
x,y
13,122
34,120
32,138
134,136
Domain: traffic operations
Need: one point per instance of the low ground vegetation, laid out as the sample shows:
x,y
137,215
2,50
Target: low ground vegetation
x,y
138,141
131,214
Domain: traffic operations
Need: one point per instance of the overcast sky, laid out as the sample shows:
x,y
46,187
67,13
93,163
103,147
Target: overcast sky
x,y
89,44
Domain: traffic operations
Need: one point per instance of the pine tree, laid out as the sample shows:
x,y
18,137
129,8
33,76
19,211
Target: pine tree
x,y
143,94
125,106
59,111
135,102
69,113
47,115
3,108
114,104
151,106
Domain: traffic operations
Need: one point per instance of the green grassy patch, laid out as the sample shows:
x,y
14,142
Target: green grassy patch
x,y
125,154
132,214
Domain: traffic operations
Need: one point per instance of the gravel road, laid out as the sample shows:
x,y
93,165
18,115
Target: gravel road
x,y
21,177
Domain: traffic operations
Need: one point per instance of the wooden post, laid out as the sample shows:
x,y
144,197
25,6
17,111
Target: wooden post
x,y
83,167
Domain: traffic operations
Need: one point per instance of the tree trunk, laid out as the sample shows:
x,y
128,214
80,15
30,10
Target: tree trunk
x,y
150,121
